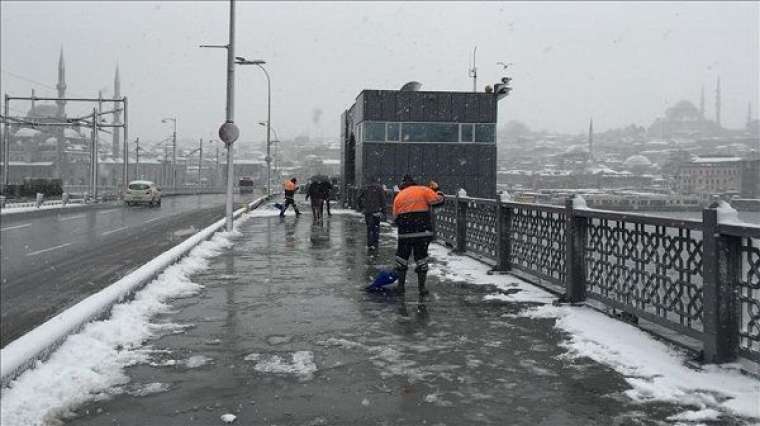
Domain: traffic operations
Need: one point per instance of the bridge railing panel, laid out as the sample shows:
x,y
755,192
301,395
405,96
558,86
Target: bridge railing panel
x,y
536,235
651,267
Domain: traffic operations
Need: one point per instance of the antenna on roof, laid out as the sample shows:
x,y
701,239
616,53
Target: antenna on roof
x,y
474,71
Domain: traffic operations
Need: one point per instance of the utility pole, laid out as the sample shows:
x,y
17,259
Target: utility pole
x,y
174,155
200,162
229,132
137,158
6,145
94,154
125,178
230,111
167,180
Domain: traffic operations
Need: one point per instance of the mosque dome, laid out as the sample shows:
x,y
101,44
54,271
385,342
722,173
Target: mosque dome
x,y
43,111
637,161
26,132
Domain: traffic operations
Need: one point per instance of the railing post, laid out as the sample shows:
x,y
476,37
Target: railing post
x,y
461,212
575,263
721,263
503,236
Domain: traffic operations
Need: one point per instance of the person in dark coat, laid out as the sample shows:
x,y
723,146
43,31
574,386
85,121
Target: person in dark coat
x,y
326,188
372,203
316,194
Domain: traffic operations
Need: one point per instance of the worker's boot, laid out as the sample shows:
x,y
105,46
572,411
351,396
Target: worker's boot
x,y
401,288
421,277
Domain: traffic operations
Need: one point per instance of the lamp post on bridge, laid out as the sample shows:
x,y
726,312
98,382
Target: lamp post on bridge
x,y
276,139
229,132
260,63
174,150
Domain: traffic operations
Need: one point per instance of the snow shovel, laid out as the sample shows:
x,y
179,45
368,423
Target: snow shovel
x,y
383,279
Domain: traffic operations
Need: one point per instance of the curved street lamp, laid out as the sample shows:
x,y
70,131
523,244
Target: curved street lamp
x,y
174,150
260,63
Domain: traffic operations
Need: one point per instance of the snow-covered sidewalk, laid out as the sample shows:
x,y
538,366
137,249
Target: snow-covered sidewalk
x,y
656,371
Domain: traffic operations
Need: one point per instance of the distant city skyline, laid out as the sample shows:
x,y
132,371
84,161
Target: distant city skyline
x,y
622,63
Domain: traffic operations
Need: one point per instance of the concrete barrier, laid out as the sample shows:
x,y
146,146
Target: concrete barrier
x,y
38,344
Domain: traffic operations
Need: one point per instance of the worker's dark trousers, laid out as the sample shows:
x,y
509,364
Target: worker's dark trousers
x,y
373,229
289,202
418,247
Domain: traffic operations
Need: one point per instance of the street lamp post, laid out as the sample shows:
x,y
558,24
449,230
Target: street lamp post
x,y
260,63
228,132
275,140
174,150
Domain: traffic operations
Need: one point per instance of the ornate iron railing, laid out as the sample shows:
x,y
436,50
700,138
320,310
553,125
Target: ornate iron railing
x,y
699,278
650,266
446,221
480,221
536,235
744,248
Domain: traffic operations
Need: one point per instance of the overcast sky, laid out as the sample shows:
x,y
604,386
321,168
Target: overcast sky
x,y
621,63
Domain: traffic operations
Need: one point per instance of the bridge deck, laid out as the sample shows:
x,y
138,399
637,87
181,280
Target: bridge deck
x,y
282,333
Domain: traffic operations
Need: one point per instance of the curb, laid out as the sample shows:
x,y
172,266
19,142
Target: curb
x,y
36,345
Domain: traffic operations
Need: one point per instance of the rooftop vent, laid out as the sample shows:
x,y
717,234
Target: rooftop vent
x,y
412,86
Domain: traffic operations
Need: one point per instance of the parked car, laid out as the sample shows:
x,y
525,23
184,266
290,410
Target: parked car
x,y
143,192
245,184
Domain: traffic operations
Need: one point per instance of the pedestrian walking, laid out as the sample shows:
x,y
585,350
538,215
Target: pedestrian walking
x,y
290,187
372,203
316,194
412,214
326,188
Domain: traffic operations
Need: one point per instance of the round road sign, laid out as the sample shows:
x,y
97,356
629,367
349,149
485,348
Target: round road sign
x,y
229,132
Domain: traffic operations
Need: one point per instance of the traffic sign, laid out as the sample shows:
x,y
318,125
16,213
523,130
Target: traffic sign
x,y
229,133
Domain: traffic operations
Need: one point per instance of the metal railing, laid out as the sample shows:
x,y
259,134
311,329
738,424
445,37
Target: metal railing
x,y
698,278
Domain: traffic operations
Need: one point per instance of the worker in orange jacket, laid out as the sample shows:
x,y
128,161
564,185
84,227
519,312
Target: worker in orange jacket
x,y
413,216
290,187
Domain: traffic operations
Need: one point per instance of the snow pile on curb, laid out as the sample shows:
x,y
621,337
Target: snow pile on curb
x,y
654,370
17,210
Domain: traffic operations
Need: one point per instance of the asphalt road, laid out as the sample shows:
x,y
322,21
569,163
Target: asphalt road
x,y
50,263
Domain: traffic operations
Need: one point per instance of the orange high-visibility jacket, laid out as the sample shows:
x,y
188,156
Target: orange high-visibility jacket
x,y
416,198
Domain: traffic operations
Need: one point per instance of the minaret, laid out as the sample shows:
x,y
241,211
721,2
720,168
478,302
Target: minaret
x,y
591,139
702,103
61,86
61,166
717,103
116,141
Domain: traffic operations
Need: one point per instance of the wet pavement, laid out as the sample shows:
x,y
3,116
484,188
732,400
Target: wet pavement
x,y
283,334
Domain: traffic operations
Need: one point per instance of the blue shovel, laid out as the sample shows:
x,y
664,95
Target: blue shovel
x,y
383,279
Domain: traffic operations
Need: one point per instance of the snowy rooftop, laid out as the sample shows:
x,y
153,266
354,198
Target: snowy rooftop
x,y
716,159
